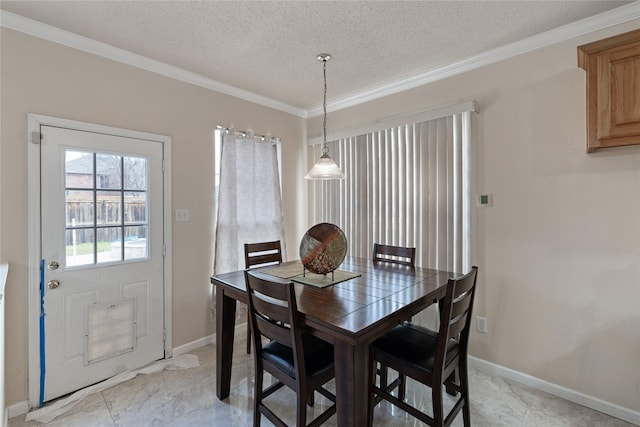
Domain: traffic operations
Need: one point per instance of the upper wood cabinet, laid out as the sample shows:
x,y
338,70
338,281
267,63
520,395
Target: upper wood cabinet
x,y
613,90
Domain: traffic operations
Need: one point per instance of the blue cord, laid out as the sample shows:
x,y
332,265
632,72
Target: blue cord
x,y
42,359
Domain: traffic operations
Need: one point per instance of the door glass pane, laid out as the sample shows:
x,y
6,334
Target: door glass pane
x,y
98,224
108,171
108,207
135,207
79,208
109,244
78,169
79,247
135,242
135,173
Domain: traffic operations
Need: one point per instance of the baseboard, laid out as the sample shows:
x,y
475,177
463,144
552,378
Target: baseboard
x,y
574,396
209,339
193,345
17,409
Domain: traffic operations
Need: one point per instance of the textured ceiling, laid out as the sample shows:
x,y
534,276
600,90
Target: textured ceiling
x,y
269,48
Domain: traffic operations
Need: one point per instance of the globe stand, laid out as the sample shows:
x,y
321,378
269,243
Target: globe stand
x,y
304,273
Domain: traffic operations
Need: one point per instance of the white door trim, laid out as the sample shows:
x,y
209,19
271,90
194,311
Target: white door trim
x,y
33,236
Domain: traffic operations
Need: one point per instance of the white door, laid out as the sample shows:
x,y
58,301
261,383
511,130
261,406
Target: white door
x,y
102,250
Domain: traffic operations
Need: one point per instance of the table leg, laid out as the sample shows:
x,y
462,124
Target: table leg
x,y
352,384
225,326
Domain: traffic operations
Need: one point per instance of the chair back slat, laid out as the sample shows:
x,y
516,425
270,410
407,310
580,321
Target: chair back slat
x,y
266,288
457,325
460,310
394,254
274,331
263,253
460,306
271,309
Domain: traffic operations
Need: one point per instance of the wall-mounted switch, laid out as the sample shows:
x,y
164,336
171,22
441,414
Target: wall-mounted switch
x,y
182,215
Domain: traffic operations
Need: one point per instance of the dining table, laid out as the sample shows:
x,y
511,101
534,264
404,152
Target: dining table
x,y
349,314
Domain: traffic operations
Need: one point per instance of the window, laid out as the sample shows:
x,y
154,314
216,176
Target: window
x,y
407,185
248,194
106,208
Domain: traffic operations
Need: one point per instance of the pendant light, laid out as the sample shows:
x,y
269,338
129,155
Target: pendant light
x,y
325,168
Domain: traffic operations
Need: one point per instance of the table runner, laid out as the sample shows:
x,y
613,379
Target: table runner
x,y
294,271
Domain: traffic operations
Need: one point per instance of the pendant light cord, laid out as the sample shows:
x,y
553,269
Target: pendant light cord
x,y
325,149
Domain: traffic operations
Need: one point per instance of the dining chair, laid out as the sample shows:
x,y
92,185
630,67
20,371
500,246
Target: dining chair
x,y
431,357
394,254
294,358
258,255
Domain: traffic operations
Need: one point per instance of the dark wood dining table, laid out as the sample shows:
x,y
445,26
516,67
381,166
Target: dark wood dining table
x,y
349,314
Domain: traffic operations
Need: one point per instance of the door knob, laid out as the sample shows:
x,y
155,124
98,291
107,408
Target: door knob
x,y
53,265
52,284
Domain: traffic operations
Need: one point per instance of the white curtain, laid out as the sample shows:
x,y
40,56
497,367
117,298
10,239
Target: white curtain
x,y
249,200
407,186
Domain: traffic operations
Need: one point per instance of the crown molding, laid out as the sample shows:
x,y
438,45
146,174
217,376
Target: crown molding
x,y
69,39
616,16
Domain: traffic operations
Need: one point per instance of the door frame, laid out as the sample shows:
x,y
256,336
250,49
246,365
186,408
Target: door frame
x,y
34,232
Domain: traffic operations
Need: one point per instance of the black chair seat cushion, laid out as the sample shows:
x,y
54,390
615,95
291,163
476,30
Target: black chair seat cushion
x,y
318,356
413,344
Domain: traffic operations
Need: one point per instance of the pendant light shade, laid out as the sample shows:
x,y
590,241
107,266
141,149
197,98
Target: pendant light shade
x,y
325,168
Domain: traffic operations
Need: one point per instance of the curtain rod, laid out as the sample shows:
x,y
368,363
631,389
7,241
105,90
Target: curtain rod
x,y
248,134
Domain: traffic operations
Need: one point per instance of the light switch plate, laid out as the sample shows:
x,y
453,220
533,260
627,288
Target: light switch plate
x,y
182,215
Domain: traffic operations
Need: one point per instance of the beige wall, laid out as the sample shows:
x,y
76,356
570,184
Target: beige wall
x,y
46,78
559,252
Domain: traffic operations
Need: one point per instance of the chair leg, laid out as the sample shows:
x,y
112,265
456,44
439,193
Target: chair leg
x,y
257,398
248,332
438,409
301,409
373,370
402,387
311,400
463,375
384,376
453,378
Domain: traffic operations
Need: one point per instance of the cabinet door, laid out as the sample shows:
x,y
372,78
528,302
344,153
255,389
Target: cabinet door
x,y
613,90
618,99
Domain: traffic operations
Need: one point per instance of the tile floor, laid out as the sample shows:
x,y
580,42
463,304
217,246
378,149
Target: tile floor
x,y
187,398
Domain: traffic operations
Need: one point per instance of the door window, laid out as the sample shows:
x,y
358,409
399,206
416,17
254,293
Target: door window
x,y
106,207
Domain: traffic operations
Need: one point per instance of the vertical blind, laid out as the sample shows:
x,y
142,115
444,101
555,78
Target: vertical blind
x,y
408,186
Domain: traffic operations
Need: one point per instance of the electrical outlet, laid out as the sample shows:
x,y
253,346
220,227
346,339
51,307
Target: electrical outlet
x,y
481,324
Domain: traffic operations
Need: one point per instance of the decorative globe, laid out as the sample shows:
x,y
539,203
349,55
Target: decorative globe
x,y
323,248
